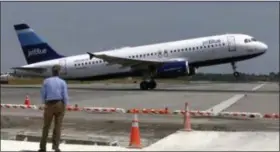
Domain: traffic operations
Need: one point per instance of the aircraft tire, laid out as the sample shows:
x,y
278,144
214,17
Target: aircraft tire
x,y
236,74
152,84
144,85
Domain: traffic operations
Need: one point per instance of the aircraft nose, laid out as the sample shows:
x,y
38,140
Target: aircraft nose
x,y
263,46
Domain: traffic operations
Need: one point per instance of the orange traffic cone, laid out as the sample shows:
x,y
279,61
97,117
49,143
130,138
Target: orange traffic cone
x,y
187,119
27,101
135,141
76,108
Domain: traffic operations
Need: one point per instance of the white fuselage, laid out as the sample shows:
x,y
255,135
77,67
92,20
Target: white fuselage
x,y
203,51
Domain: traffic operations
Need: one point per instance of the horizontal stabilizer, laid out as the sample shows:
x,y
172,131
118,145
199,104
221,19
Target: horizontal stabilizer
x,y
31,69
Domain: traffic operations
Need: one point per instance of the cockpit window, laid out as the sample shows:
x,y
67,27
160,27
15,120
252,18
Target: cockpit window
x,y
253,39
246,40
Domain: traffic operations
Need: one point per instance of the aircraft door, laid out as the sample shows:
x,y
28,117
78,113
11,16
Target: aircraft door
x,y
165,53
231,44
63,65
162,53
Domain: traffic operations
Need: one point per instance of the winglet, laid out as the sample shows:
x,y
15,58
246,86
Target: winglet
x,y
90,55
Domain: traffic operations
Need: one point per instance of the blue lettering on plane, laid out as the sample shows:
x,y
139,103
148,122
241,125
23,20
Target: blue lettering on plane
x,y
211,41
36,51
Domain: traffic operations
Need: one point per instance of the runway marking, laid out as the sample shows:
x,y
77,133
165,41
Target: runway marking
x,y
258,87
225,104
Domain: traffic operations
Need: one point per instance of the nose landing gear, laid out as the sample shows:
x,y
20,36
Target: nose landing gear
x,y
236,74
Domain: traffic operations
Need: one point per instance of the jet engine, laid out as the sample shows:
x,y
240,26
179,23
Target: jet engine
x,y
174,69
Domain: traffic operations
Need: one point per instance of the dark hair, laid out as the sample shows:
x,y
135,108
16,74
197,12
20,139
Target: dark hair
x,y
55,70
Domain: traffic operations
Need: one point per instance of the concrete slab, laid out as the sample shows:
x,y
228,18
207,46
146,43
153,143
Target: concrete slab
x,y
263,103
11,145
180,141
218,141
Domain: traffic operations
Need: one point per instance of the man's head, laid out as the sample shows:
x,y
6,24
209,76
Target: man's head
x,y
56,70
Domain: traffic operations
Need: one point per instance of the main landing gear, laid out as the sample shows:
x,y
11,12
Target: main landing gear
x,y
148,81
145,85
236,74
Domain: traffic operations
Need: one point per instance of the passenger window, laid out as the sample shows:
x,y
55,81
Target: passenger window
x,y
193,48
186,49
201,47
197,47
205,47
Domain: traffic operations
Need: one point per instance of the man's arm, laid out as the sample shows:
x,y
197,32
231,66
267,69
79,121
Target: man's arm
x,y
65,93
43,92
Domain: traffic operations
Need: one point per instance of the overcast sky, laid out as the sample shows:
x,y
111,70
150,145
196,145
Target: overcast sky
x,y
77,27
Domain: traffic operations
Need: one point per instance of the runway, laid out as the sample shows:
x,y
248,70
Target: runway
x,y
199,96
252,97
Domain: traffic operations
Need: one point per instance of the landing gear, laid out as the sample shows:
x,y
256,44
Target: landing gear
x,y
236,74
145,85
148,81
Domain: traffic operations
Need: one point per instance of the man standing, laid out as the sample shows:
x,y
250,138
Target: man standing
x,y
54,93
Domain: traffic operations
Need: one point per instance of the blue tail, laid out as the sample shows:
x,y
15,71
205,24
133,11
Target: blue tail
x,y
34,48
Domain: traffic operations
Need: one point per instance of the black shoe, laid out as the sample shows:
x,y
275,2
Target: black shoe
x,y
42,150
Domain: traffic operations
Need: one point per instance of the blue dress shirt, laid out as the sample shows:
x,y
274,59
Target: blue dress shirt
x,y
54,88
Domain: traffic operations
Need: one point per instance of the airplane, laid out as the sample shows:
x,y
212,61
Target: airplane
x,y
161,60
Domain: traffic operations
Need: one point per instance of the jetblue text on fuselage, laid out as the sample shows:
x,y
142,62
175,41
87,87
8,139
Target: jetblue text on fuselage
x,y
36,52
211,41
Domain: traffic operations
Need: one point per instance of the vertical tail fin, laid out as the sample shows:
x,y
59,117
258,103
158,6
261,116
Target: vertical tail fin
x,y
34,48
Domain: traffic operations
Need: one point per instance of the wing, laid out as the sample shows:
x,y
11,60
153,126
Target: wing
x,y
128,62
39,70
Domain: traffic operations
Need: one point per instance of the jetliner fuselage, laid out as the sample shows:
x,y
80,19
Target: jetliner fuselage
x,y
168,59
198,52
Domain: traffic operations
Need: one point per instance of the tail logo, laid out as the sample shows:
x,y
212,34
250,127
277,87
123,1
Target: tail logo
x,y
36,51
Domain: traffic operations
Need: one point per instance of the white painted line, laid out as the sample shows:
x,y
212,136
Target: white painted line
x,y
225,104
258,87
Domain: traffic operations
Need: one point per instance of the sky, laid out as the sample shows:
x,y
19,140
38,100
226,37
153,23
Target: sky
x,y
73,28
